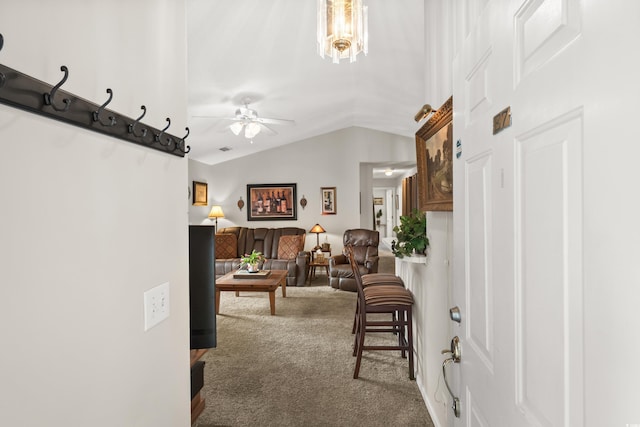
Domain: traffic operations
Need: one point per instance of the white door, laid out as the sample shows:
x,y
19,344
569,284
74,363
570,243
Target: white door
x,y
541,223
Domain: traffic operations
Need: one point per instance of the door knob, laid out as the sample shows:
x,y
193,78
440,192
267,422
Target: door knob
x,y
454,314
454,350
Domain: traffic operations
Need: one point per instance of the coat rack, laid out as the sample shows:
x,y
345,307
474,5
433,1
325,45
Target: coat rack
x,y
27,93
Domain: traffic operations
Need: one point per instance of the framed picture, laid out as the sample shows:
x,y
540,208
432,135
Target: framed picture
x,y
378,200
329,201
200,196
434,154
271,202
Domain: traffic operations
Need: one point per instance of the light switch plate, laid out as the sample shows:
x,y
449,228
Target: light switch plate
x,y
156,305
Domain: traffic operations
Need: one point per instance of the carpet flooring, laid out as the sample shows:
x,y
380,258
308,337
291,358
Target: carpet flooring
x,y
296,368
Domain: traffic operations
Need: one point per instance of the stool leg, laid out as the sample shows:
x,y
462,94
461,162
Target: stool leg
x,y
402,340
355,318
410,342
360,343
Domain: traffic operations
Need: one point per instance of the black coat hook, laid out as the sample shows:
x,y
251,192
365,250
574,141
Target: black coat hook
x,y
96,114
132,127
48,97
158,137
181,145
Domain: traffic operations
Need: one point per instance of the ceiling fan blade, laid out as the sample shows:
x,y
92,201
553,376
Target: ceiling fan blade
x,y
269,129
275,121
235,119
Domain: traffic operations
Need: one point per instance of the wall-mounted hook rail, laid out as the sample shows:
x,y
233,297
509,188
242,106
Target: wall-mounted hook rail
x,y
2,77
96,114
24,92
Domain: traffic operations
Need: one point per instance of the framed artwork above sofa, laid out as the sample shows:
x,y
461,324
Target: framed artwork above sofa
x,y
271,202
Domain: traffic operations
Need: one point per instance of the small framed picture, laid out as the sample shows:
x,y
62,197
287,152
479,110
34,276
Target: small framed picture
x,y
378,200
329,201
200,196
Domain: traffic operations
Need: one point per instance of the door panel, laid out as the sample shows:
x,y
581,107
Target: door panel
x,y
478,240
543,29
549,284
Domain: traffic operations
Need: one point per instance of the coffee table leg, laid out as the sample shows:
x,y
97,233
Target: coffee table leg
x,y
283,283
217,302
272,302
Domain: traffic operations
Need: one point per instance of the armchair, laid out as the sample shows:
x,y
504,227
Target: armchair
x,y
365,250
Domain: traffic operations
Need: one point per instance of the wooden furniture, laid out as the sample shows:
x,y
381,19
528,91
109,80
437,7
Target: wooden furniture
x,y
317,261
390,299
269,284
197,401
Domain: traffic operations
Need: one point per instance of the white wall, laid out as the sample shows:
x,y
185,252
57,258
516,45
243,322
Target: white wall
x,y
431,283
331,160
90,222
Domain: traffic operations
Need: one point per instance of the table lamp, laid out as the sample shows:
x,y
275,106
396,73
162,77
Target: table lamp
x,y
216,212
317,229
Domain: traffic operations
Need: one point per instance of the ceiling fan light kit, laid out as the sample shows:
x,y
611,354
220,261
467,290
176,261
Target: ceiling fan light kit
x,y
342,29
247,120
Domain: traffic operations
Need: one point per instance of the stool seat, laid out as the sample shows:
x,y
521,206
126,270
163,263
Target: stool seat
x,y
375,279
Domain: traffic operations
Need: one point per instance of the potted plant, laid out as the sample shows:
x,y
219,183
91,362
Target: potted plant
x,y
252,261
378,215
411,235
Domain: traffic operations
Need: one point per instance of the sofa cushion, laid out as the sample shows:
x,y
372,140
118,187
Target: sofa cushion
x,y
226,246
290,246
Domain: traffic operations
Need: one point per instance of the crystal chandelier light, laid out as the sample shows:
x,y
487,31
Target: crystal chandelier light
x,y
342,29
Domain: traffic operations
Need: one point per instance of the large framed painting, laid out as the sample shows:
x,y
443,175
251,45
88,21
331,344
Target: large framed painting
x,y
271,202
434,154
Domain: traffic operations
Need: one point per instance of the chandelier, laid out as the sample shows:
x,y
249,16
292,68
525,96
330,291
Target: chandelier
x,y
342,29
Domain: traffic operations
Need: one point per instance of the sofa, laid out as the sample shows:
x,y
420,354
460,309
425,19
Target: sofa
x,y
283,247
365,250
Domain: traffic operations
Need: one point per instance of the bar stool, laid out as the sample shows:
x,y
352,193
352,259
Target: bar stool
x,y
373,279
392,299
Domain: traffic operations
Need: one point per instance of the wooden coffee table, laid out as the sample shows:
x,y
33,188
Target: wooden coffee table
x,y
268,284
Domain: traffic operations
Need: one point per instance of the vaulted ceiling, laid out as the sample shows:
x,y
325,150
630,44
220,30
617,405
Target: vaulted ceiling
x,y
266,50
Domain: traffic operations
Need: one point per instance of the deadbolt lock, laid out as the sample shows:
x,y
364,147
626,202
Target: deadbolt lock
x,y
454,314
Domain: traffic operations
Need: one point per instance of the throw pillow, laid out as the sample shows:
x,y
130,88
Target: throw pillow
x,y
289,246
226,246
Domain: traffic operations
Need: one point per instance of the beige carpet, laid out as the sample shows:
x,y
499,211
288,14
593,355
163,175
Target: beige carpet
x,y
296,368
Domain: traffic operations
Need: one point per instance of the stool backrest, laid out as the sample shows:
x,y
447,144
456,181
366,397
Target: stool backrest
x,y
354,267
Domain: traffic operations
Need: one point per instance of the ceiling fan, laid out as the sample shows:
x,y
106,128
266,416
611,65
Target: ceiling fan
x,y
247,120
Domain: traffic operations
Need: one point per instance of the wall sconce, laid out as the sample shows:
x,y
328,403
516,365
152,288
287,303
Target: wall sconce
x,y
216,212
317,229
424,112
303,202
240,203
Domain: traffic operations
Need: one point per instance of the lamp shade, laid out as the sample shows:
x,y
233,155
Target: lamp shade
x,y
236,128
317,229
216,212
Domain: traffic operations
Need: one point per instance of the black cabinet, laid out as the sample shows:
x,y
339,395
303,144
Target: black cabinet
x,y
202,295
